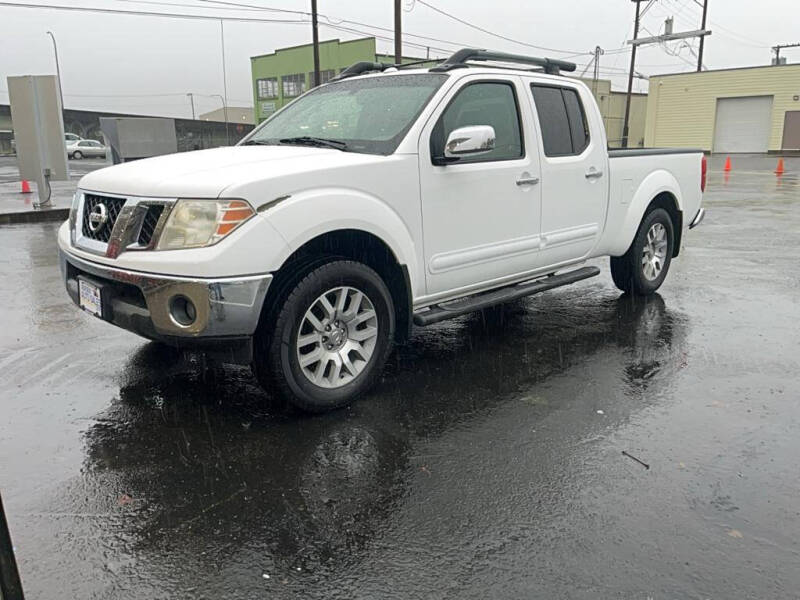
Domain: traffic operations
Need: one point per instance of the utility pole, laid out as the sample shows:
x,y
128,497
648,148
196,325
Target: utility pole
x,y
315,39
630,78
777,49
58,69
398,34
702,38
191,99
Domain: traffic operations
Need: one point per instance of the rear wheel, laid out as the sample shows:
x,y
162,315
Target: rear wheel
x,y
77,155
330,338
643,268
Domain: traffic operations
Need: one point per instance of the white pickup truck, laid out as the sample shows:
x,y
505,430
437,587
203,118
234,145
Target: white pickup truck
x,y
387,198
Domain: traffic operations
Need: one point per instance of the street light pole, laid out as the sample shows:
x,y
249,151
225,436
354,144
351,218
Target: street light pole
x,y
191,99
58,69
224,81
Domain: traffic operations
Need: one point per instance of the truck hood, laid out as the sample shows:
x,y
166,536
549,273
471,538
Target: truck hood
x,y
208,173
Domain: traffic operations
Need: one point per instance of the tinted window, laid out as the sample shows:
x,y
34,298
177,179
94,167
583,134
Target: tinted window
x,y
577,121
565,130
556,136
491,104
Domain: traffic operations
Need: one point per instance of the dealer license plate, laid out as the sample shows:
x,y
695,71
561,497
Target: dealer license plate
x,y
90,298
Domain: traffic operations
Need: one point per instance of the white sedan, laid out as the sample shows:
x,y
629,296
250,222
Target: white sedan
x,y
86,148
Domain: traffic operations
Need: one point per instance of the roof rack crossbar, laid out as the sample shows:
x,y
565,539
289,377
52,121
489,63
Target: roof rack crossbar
x,y
362,67
551,66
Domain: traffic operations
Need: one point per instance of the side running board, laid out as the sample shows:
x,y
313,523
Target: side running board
x,y
463,306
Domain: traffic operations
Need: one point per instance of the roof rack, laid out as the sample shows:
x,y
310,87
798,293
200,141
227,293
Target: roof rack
x,y
459,60
362,67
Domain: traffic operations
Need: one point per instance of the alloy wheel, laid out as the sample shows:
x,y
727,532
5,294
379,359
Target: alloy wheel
x,y
337,337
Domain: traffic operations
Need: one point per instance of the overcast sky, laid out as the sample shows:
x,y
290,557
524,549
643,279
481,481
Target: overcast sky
x,y
146,64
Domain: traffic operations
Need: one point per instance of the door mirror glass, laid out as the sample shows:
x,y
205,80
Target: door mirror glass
x,y
469,141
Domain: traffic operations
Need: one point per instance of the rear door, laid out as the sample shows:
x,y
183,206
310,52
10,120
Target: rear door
x,y
574,170
480,215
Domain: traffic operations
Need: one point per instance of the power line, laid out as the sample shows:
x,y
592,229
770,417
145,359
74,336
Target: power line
x,y
729,33
184,5
497,35
334,21
143,13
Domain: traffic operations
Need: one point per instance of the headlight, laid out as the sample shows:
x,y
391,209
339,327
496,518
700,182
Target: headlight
x,y
196,223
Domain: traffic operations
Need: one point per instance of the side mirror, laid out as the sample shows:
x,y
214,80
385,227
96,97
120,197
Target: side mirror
x,y
469,141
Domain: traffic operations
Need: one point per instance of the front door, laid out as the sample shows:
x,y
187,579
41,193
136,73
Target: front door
x,y
480,214
574,171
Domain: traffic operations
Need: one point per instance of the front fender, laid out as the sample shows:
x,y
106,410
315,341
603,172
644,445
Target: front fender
x,y
624,218
311,213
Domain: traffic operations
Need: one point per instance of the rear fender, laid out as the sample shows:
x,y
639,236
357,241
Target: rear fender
x,y
621,231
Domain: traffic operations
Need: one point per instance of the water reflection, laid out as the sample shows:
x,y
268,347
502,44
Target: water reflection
x,y
207,463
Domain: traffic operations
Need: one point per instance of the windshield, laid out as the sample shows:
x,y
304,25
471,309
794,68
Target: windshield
x,y
366,114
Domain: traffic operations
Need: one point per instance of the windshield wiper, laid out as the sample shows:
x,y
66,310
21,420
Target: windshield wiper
x,y
307,140
256,143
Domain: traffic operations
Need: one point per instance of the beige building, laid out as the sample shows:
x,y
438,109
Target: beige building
x,y
754,109
236,114
612,107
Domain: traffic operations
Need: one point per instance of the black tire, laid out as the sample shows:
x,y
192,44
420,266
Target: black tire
x,y
276,363
628,271
77,155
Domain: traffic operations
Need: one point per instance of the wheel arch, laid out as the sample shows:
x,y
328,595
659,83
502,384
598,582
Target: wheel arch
x,y
669,203
353,244
660,189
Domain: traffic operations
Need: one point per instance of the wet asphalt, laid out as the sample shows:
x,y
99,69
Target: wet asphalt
x,y
488,462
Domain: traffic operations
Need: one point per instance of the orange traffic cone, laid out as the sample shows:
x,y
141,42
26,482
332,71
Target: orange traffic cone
x,y
779,170
26,187
728,164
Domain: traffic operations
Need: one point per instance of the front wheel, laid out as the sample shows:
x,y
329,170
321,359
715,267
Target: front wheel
x,y
77,155
330,339
643,268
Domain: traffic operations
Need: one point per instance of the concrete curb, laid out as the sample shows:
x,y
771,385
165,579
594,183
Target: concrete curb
x,y
46,215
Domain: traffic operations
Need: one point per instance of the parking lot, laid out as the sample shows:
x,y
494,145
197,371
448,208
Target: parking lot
x,y
578,444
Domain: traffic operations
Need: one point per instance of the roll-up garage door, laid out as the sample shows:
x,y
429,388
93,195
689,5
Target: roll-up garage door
x,y
743,124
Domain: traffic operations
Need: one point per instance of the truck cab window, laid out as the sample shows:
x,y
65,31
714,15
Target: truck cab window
x,y
489,103
562,120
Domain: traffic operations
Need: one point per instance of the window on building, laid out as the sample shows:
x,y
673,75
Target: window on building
x,y
324,76
565,131
493,104
268,87
293,85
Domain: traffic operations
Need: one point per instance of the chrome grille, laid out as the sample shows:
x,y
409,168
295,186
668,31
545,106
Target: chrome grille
x,y
113,206
149,224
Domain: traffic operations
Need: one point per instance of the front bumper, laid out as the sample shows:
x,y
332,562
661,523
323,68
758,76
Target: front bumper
x,y
227,309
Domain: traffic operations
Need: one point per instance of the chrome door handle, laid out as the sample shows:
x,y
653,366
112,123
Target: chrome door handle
x,y
528,181
593,174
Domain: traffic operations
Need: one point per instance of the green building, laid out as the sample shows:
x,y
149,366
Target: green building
x,y
288,72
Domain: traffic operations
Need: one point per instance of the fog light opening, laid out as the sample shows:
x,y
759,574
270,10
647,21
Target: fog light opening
x,y
182,310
